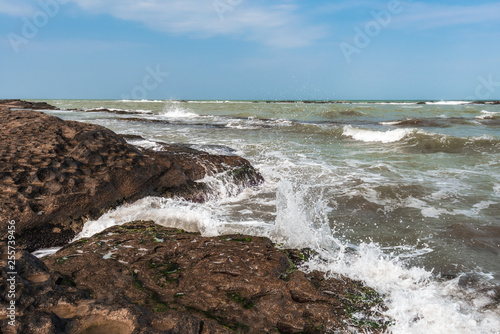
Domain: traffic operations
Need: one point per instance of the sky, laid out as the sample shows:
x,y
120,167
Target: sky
x,y
250,49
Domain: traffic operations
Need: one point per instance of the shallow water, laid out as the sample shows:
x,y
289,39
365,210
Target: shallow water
x,y
401,195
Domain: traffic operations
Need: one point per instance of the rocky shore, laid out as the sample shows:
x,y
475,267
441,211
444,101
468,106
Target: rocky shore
x,y
141,277
56,174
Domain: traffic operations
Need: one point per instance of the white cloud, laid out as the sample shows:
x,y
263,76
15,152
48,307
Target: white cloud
x,y
15,8
428,16
278,25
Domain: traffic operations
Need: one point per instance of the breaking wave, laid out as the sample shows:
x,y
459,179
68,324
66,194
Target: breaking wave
x,y
423,141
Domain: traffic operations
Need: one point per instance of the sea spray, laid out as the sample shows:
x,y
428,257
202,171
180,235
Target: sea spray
x,y
417,302
188,216
175,110
298,224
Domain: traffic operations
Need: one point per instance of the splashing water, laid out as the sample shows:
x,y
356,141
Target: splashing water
x,y
175,110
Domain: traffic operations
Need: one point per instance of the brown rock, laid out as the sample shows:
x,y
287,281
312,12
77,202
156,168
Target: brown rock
x,y
55,174
238,282
27,105
144,278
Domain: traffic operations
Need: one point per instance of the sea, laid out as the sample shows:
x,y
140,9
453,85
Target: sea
x,y
402,195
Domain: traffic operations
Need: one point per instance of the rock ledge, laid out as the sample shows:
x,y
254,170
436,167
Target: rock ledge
x,y
144,278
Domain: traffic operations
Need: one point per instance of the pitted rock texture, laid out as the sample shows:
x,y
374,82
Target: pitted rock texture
x,y
144,278
55,174
241,283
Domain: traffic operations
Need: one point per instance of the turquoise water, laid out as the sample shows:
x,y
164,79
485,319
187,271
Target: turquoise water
x,y
404,196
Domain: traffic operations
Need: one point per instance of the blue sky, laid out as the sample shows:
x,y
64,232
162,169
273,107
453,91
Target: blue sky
x,y
242,49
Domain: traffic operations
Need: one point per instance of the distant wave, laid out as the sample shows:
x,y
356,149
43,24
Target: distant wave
x,y
449,103
423,141
489,115
416,122
175,110
368,136
142,101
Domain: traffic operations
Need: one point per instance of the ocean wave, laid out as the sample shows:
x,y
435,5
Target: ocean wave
x,y
423,141
256,123
420,122
396,103
336,114
448,103
369,136
142,101
174,110
488,115
242,126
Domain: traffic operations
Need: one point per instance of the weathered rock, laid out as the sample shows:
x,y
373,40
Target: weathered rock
x,y
48,302
55,174
144,278
112,111
27,105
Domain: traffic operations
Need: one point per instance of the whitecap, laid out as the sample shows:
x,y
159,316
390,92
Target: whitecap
x,y
376,136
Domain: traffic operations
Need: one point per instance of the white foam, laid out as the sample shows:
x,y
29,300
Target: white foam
x,y
241,126
146,144
167,212
496,189
416,302
376,136
488,115
175,110
390,123
448,103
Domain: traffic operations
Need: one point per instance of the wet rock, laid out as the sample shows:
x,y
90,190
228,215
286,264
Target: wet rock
x,y
112,111
486,102
18,104
55,174
144,278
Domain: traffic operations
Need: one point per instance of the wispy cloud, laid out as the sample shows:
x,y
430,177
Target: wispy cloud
x,y
15,8
422,15
278,25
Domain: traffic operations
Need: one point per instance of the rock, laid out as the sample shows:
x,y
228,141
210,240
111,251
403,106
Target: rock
x,y
113,111
144,278
27,105
55,174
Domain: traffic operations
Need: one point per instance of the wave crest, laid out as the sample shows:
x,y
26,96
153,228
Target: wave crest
x,y
423,141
